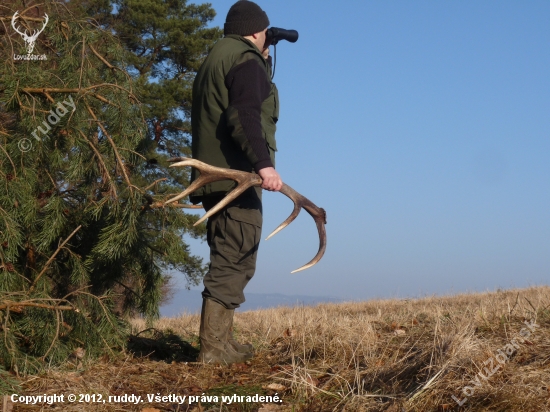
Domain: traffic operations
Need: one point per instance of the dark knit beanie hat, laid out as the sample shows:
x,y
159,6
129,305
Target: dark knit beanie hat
x,y
245,18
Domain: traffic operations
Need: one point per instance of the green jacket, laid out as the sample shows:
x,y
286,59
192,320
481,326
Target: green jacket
x,y
235,109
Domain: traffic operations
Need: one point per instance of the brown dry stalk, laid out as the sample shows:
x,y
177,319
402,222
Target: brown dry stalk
x,y
46,92
104,100
38,19
100,57
155,182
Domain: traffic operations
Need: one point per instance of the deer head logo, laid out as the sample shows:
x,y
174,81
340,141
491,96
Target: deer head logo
x,y
29,39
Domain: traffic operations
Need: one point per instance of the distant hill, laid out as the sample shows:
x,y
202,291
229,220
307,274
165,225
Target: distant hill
x,y
190,301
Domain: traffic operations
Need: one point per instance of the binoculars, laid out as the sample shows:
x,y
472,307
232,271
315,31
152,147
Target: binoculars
x,y
274,34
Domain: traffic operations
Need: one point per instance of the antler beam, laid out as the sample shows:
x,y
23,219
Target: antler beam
x,y
244,181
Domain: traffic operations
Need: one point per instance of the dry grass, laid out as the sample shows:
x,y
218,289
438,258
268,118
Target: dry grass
x,y
381,355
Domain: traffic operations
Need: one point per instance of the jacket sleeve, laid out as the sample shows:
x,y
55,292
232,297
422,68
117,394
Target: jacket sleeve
x,y
248,87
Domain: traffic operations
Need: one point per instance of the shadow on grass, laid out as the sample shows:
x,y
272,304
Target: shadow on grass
x,y
163,346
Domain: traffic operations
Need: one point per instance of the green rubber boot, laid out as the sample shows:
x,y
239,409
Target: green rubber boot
x,y
216,321
239,347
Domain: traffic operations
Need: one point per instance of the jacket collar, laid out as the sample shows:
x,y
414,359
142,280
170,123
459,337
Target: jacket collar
x,y
241,38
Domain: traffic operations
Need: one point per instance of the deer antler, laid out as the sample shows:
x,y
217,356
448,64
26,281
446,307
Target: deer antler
x,y
244,181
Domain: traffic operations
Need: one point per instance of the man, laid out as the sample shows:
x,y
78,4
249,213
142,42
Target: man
x,y
235,108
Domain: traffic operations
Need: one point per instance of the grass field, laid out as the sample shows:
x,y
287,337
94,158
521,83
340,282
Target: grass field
x,y
490,351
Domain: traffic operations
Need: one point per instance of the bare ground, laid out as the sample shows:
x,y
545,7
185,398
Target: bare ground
x,y
490,351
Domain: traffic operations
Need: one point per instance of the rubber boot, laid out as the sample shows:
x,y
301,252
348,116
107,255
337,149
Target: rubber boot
x,y
216,321
239,347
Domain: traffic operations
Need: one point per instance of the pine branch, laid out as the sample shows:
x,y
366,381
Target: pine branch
x,y
49,97
160,205
82,59
33,110
104,100
46,90
154,183
100,57
56,336
154,249
36,19
101,162
113,145
50,260
11,161
12,304
134,152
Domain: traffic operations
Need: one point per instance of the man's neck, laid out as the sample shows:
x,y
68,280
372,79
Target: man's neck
x,y
252,40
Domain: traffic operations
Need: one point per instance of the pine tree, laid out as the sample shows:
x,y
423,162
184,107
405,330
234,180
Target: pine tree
x,y
167,41
84,141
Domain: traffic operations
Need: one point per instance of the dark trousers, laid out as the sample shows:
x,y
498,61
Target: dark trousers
x,y
233,235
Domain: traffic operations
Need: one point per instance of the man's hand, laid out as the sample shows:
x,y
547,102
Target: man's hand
x,y
271,179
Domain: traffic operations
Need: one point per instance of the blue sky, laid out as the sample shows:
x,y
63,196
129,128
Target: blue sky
x,y
423,129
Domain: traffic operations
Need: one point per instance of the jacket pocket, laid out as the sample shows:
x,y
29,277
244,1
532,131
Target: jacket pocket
x,y
250,216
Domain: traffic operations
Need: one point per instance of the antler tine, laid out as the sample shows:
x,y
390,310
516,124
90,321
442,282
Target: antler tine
x,y
322,245
242,186
300,202
211,174
201,181
318,214
287,221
